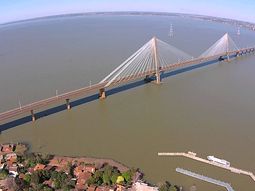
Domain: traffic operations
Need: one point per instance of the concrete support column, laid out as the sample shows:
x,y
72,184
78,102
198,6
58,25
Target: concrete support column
x,y
158,78
33,115
228,57
102,94
68,106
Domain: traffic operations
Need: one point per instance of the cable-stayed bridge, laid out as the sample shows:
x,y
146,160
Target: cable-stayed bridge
x,y
150,61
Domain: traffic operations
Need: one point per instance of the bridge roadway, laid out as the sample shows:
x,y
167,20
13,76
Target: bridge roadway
x,y
101,86
205,178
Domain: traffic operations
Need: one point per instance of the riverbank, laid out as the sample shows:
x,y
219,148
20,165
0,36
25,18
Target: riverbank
x,y
22,170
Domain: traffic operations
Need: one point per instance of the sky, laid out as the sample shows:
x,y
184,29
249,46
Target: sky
x,y
14,10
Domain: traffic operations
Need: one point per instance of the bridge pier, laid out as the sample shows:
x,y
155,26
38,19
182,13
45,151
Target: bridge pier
x,y
33,115
158,78
228,59
102,94
220,58
68,106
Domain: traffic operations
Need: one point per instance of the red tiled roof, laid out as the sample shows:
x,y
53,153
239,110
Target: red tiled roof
x,y
13,168
7,148
48,182
82,179
81,169
30,170
21,175
104,188
39,167
91,188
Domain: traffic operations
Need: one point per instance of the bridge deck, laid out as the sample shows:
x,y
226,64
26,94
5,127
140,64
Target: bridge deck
x,y
96,87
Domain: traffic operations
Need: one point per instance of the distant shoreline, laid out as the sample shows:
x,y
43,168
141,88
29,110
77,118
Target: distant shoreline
x,y
239,23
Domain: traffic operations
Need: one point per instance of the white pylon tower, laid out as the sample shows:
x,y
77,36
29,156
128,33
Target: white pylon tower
x,y
156,60
171,31
238,31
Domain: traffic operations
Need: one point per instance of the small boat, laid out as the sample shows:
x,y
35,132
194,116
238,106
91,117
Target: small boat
x,y
219,161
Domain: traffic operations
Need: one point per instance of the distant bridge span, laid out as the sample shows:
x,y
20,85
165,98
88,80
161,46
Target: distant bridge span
x,y
151,60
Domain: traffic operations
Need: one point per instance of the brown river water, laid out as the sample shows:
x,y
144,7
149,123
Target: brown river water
x,y
209,110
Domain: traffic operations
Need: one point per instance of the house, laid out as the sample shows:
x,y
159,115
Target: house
x,y
91,188
104,188
13,170
48,183
120,188
81,169
22,175
11,157
82,180
90,168
142,186
9,164
49,167
2,166
7,148
30,170
39,167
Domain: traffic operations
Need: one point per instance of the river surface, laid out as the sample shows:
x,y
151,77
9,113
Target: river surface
x,y
210,110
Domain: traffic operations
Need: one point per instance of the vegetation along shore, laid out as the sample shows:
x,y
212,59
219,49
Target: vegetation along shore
x,y
23,170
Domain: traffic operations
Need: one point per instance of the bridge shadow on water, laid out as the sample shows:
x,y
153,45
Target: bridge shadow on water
x,y
94,97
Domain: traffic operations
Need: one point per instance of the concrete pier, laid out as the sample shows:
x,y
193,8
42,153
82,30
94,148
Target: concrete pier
x,y
158,78
102,94
193,156
205,178
33,115
68,106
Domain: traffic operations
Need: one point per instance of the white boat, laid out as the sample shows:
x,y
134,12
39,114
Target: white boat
x,y
219,161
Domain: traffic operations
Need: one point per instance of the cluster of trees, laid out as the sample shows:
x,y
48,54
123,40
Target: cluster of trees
x,y
32,159
60,180
3,174
109,175
168,187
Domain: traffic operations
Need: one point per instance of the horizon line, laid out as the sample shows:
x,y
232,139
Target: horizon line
x,y
160,13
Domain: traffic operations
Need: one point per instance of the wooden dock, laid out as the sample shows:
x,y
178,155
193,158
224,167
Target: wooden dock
x,y
194,156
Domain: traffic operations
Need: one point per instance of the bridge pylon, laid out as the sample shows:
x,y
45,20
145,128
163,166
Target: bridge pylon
x,y
156,60
102,94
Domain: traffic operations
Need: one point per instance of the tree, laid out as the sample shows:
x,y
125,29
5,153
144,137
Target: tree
x,y
27,179
167,187
98,175
107,178
91,181
107,174
3,174
35,178
114,177
120,180
173,188
128,176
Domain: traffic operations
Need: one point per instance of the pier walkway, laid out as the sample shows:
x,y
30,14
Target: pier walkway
x,y
205,178
193,156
